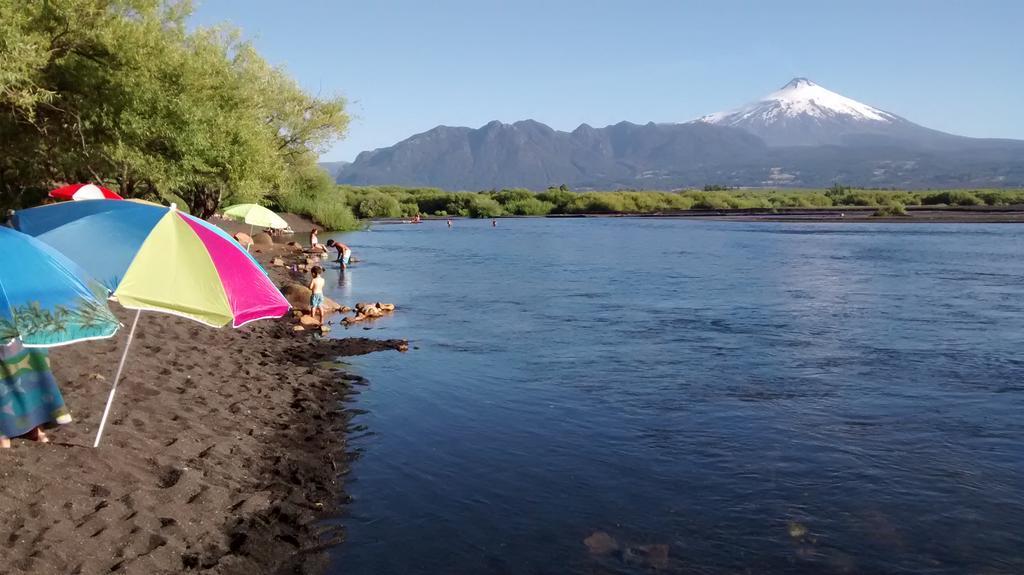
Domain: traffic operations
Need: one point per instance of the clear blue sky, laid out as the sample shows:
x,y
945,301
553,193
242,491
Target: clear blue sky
x,y
409,65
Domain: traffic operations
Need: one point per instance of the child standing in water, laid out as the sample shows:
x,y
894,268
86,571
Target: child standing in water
x,y
316,300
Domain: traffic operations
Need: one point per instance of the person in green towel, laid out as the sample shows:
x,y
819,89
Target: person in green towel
x,y
29,396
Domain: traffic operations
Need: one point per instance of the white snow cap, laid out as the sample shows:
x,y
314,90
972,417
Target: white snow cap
x,y
800,97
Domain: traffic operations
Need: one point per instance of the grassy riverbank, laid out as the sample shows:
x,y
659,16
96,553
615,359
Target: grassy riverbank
x,y
340,208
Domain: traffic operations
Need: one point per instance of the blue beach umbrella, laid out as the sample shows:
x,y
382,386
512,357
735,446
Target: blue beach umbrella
x,y
45,299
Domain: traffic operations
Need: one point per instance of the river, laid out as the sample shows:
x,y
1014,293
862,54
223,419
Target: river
x,y
715,397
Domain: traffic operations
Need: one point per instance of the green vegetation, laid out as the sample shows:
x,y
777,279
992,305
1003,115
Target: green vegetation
x,y
395,202
320,201
124,93
892,209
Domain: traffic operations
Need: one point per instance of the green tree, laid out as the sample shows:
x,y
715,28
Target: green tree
x,y
122,92
379,205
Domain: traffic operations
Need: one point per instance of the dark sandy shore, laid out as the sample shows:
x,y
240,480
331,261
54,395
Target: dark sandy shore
x,y
224,449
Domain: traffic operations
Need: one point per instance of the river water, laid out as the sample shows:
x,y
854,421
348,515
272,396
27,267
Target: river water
x,y
715,397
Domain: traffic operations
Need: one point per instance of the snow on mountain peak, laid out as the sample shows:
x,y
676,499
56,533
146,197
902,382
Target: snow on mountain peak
x,y
800,98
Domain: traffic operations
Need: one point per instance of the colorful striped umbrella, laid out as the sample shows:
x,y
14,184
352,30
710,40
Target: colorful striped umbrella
x,y
157,258
45,299
84,192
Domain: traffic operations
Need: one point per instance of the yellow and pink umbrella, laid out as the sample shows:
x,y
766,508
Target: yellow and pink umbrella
x,y
157,258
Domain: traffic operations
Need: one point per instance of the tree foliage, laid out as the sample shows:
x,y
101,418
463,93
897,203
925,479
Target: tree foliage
x,y
124,93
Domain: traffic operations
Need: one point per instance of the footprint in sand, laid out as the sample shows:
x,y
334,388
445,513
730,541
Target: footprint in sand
x,y
99,491
168,477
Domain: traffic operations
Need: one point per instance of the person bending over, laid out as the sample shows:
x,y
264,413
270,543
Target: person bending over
x,y
344,252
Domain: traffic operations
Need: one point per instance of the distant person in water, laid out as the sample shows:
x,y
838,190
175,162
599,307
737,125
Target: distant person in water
x,y
494,223
316,299
449,223
344,252
29,396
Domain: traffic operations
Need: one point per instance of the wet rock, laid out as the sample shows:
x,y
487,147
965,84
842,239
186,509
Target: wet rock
x,y
796,530
308,321
294,246
840,562
655,556
263,239
331,306
599,542
354,319
297,295
386,306
298,328
277,262
345,309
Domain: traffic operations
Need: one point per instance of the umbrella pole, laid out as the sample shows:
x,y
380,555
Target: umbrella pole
x,y
113,388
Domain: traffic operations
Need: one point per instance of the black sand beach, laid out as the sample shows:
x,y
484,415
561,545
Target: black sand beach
x,y
224,448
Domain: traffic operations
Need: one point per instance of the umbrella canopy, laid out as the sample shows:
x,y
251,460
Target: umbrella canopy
x,y
45,299
84,192
255,215
157,258
160,259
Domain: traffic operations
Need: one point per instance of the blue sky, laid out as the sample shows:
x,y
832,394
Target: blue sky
x,y
408,65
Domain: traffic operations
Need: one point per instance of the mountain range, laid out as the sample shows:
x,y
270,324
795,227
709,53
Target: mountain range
x,y
802,135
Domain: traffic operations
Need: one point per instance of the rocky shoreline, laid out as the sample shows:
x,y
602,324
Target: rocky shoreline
x,y
226,448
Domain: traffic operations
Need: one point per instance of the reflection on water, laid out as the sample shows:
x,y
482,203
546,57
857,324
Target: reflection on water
x,y
629,396
344,284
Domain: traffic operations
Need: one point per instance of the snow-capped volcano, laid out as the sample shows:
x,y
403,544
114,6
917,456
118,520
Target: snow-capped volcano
x,y
803,113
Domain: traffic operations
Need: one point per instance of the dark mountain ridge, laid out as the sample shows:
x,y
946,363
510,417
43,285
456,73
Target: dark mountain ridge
x,y
800,136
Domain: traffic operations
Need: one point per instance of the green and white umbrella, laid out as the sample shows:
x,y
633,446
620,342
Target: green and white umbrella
x,y
255,215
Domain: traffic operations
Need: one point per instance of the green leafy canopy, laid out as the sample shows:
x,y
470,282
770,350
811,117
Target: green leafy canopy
x,y
124,93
